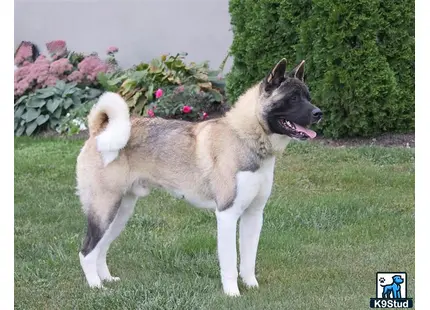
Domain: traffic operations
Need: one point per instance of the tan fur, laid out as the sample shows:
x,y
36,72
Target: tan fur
x,y
97,122
209,157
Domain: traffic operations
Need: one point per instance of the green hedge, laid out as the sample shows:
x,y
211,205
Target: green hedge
x,y
359,57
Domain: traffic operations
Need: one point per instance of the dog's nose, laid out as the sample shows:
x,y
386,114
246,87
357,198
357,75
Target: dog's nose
x,y
317,114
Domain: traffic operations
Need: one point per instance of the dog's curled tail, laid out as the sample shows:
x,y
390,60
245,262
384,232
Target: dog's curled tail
x,y
109,122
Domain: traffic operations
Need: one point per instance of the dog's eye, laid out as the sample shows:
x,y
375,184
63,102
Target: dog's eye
x,y
294,98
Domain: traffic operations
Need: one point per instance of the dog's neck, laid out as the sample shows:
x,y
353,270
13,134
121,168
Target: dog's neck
x,y
245,120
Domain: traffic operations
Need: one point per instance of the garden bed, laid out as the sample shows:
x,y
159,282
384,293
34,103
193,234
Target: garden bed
x,y
56,91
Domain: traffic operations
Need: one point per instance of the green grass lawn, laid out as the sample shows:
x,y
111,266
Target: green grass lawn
x,y
336,216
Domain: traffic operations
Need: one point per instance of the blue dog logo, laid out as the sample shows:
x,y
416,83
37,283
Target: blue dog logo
x,y
391,295
393,290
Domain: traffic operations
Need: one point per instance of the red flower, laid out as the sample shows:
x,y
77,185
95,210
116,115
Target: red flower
x,y
186,109
151,113
205,115
158,93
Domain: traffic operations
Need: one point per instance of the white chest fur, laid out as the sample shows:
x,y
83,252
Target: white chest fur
x,y
255,186
250,185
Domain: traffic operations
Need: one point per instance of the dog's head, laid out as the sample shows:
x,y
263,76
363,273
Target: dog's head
x,y
285,103
397,279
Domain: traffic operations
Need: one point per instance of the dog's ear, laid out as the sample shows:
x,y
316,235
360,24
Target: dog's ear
x,y
276,76
298,72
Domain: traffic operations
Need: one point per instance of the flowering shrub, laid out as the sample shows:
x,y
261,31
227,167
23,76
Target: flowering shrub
x,y
62,65
111,60
32,76
90,67
53,91
186,103
26,52
138,87
57,49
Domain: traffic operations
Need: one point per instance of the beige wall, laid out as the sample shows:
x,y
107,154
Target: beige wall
x,y
141,29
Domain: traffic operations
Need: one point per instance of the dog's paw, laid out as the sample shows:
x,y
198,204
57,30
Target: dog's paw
x,y
231,290
97,286
250,281
112,279
232,293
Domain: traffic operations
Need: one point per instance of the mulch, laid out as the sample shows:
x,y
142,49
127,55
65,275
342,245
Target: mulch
x,y
406,140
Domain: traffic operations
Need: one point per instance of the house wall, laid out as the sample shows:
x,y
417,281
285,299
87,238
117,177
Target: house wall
x,y
142,30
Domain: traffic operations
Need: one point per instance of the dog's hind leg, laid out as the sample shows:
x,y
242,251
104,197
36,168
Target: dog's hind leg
x,y
124,213
107,217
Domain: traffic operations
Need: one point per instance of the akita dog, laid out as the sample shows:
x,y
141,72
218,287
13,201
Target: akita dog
x,y
224,164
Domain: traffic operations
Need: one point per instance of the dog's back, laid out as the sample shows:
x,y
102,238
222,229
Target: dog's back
x,y
181,157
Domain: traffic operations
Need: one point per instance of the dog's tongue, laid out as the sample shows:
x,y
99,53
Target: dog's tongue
x,y
312,134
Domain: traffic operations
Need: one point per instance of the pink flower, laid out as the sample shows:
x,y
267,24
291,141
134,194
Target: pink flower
x,y
151,113
41,59
75,76
186,109
39,69
57,48
33,76
21,73
205,115
180,89
51,81
91,66
25,52
60,66
112,49
158,93
41,79
21,87
19,59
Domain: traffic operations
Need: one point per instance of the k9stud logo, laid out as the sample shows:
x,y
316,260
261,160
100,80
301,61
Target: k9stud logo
x,y
391,290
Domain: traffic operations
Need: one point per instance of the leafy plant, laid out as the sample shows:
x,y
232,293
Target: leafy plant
x,y
139,86
45,107
111,81
76,119
187,103
75,58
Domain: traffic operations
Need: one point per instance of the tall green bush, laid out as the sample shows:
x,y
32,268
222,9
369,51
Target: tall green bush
x,y
359,57
397,43
264,32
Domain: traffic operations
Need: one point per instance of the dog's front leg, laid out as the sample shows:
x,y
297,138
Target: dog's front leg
x,y
250,225
227,255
